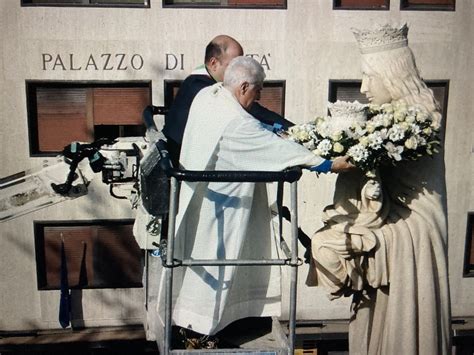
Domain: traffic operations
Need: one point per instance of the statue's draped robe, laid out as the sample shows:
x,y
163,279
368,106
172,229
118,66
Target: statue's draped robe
x,y
391,254
228,220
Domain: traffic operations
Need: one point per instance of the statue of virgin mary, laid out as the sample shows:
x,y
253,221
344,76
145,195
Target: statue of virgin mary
x,y
384,242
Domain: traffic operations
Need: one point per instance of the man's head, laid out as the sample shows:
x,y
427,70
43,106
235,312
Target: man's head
x,y
219,52
244,78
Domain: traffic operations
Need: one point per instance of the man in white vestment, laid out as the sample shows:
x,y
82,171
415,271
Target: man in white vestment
x,y
231,220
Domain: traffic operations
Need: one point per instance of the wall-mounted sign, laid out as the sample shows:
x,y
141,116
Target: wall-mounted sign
x,y
120,61
104,61
262,59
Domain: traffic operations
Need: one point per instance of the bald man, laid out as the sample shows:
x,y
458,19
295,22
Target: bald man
x,y
219,52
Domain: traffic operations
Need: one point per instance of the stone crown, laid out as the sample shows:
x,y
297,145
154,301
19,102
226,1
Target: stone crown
x,y
382,38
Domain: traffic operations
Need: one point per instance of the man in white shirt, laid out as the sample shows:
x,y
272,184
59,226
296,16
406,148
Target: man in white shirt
x,y
231,220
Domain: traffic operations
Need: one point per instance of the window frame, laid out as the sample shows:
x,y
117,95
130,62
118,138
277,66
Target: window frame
x,y
405,6
39,235
336,6
220,6
32,114
468,269
147,4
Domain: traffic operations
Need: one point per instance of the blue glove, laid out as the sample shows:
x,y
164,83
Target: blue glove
x,y
277,127
324,167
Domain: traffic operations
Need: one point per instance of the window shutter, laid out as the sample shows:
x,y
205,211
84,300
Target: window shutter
x,y
256,2
120,106
61,117
350,93
431,2
98,255
272,97
78,245
361,3
117,256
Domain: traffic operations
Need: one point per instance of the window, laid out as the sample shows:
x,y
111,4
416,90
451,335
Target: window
x,y
101,254
92,3
349,90
60,113
430,5
361,4
272,95
346,90
469,251
271,4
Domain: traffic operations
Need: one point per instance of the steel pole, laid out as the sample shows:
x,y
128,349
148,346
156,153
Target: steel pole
x,y
294,267
169,261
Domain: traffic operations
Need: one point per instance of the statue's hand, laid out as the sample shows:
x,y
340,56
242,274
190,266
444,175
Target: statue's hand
x,y
372,189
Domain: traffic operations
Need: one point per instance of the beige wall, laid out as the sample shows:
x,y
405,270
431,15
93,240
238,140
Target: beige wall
x,y
306,45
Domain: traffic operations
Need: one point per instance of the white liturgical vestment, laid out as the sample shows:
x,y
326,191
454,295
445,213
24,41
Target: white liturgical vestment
x,y
228,220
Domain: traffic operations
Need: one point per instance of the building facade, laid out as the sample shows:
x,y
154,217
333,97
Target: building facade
x,y
81,71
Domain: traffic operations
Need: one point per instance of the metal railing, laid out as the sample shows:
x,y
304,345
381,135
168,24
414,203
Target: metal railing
x,y
176,176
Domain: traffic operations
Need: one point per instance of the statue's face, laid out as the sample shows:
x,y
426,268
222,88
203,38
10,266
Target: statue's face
x,y
373,87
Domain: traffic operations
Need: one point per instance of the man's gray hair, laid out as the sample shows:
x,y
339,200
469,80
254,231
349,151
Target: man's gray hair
x,y
243,69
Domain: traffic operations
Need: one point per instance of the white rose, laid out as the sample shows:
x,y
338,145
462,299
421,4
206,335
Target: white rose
x,y
370,127
303,136
410,119
428,131
422,116
411,143
338,147
404,125
399,116
387,120
336,136
364,141
374,107
387,107
401,107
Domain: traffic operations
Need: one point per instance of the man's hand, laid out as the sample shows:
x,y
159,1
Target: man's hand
x,y
341,164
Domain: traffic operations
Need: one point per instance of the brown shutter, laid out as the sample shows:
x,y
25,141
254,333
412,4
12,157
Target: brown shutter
x,y
79,245
61,117
431,2
104,255
350,92
272,97
120,106
192,2
117,257
361,3
256,2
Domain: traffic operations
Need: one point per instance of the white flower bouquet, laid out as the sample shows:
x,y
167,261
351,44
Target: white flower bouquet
x,y
371,135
